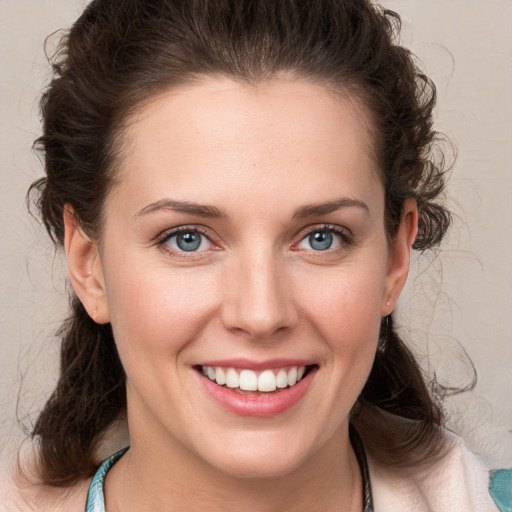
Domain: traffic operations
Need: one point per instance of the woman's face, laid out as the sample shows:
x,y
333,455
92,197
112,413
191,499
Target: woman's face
x,y
245,240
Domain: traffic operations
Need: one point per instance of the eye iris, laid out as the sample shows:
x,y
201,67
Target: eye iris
x,y
188,241
320,240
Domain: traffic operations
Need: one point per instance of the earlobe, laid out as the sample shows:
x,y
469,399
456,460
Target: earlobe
x,y
399,256
85,268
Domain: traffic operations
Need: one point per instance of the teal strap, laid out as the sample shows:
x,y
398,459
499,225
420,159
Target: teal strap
x,y
95,498
500,488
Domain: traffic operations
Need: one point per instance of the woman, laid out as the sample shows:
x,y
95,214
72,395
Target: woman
x,y
237,187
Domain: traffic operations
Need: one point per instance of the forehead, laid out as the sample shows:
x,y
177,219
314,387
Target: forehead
x,y
198,137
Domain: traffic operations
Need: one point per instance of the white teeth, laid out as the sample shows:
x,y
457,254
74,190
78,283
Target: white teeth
x,y
220,376
282,379
292,376
232,378
267,381
248,380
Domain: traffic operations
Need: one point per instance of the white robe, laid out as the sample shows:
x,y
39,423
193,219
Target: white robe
x,y
459,482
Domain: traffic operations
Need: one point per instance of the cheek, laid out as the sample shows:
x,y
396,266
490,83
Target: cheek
x,y
344,308
345,301
156,310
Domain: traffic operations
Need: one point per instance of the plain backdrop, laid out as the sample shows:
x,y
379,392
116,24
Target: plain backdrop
x,y
457,307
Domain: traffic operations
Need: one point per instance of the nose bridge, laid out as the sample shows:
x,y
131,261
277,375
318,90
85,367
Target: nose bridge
x,y
259,302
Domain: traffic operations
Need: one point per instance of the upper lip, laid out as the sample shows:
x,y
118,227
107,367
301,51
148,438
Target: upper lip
x,y
247,364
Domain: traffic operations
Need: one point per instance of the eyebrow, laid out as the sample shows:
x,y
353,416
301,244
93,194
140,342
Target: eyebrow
x,y
202,210
313,210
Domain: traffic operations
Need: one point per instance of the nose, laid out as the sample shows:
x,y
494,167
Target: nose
x,y
258,296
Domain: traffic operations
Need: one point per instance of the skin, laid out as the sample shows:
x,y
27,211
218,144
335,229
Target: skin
x,y
257,290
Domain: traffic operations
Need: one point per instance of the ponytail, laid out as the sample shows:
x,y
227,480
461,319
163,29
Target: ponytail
x,y
396,413
90,395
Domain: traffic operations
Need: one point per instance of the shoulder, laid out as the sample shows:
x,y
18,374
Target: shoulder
x,y
458,481
20,493
20,496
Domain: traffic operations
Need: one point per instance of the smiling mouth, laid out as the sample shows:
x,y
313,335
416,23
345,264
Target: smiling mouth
x,y
248,382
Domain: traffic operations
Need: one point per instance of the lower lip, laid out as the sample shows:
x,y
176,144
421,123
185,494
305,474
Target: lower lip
x,y
264,404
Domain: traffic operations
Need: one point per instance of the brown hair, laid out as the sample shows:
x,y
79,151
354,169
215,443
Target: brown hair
x,y
119,54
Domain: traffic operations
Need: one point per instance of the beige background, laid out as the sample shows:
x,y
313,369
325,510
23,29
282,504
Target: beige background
x,y
456,303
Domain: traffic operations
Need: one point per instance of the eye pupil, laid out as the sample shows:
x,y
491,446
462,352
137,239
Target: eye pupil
x,y
188,241
320,240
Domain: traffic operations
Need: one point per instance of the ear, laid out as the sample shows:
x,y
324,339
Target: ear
x,y
85,269
399,257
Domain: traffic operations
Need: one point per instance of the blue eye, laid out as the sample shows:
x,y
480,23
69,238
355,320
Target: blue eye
x,y
321,240
188,241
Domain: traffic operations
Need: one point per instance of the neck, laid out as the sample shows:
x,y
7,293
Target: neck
x,y
165,477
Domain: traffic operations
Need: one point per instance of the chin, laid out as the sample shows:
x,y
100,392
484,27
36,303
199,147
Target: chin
x,y
266,455
258,467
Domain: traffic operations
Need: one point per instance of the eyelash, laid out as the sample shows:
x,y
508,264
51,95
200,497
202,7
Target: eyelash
x,y
164,238
343,234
